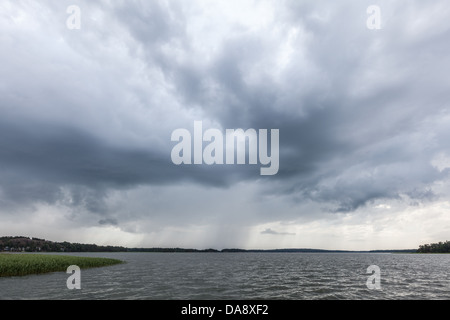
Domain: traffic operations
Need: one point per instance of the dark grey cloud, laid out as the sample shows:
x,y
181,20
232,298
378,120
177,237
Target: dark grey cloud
x,y
109,221
43,157
277,233
338,128
362,114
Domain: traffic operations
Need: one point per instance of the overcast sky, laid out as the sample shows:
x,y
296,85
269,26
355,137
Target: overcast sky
x,y
86,117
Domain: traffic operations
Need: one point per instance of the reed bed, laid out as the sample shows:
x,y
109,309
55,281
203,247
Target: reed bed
x,y
26,264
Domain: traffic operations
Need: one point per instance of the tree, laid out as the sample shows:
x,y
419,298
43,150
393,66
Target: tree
x,y
440,247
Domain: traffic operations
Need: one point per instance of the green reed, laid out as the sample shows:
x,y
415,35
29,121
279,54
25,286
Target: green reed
x,y
25,264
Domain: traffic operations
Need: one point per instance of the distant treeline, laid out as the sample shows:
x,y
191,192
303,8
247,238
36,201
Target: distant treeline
x,y
29,244
318,251
440,247
168,250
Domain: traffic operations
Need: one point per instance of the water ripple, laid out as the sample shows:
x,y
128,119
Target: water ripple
x,y
241,276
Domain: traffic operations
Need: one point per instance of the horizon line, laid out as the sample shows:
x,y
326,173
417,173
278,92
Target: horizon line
x,y
235,249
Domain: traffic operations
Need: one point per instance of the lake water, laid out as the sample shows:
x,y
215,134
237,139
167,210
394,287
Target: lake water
x,y
242,276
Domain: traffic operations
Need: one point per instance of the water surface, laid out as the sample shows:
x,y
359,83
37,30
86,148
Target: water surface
x,y
241,276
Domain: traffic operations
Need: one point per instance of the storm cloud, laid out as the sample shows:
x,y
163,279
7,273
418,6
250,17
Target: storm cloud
x,y
87,114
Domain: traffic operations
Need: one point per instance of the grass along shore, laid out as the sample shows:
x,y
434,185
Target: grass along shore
x,y
25,264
